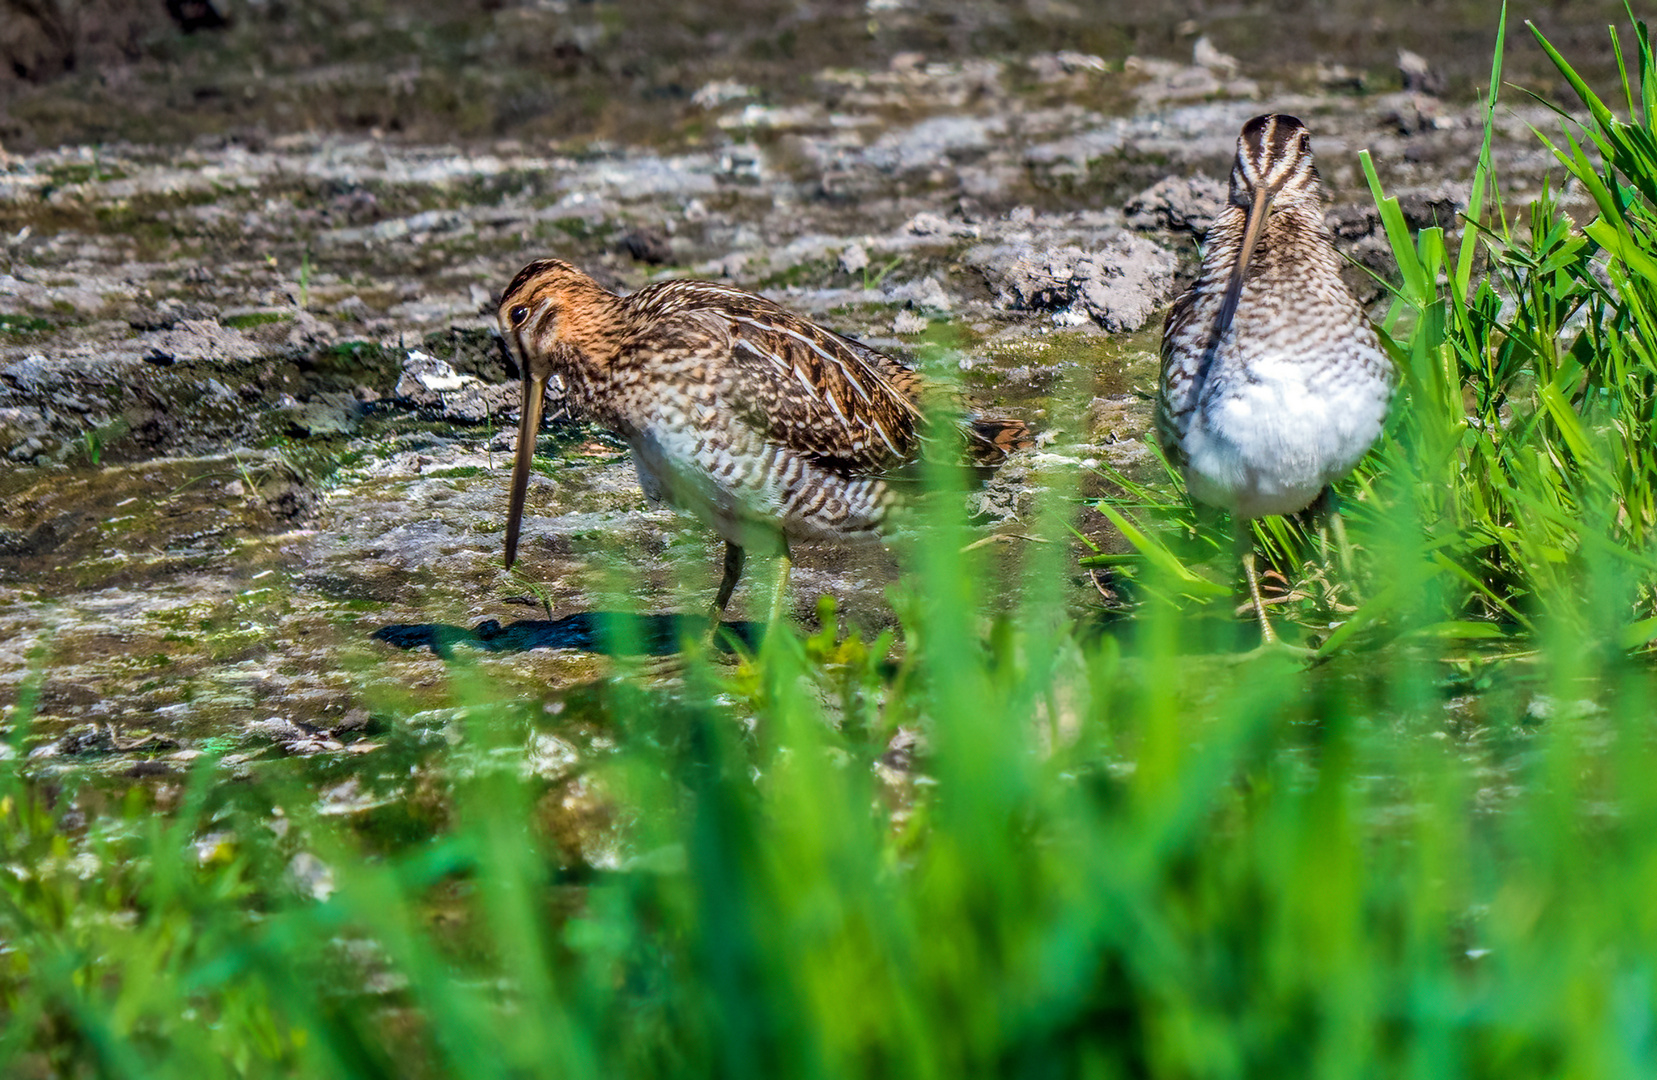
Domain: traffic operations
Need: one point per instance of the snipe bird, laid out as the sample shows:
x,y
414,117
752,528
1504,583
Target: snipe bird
x,y
766,426
1274,383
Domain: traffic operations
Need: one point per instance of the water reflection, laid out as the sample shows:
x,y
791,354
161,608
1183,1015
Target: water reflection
x,y
611,633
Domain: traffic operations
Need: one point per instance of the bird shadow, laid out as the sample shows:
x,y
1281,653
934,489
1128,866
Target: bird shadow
x,y
611,633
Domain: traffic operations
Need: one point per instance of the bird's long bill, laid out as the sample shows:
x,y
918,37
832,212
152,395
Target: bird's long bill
x,y
529,426
1259,208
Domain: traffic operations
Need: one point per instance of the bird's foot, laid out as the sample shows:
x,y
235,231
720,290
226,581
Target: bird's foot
x,y
1276,646
721,644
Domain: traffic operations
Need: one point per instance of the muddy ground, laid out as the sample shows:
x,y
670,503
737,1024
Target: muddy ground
x,y
256,428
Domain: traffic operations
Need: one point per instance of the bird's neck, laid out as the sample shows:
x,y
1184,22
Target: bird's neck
x,y
593,325
594,322
1296,228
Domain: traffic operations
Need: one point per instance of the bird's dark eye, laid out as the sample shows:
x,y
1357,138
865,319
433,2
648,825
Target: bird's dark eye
x,y
518,315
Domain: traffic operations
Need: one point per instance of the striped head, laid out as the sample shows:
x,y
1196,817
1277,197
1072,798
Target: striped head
x,y
555,319
554,316
1274,163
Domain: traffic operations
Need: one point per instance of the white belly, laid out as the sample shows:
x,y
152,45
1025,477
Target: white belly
x,y
1269,443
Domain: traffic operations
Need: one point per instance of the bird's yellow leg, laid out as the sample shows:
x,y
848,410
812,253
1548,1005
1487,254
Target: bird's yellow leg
x,y
1269,641
1267,634
779,599
1343,546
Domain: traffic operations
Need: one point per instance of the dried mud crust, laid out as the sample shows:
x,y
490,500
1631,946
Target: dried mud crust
x,y
256,425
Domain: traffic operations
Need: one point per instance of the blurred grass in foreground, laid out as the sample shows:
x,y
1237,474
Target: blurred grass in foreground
x,y
1110,856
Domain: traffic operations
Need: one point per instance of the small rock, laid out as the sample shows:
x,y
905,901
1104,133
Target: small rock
x,y
549,757
198,340
1204,54
352,307
309,332
928,293
424,375
312,876
353,720
1415,114
909,322
325,414
1053,67
1119,286
648,245
279,729
1419,77
717,93
433,385
1440,204
1338,77
24,433
931,143
927,223
1164,81
1178,203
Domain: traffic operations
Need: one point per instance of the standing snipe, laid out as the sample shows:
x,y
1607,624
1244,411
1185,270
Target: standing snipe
x,y
1273,381
759,422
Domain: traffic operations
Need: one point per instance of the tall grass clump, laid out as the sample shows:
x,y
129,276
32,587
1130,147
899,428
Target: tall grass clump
x,y
1525,446
1016,845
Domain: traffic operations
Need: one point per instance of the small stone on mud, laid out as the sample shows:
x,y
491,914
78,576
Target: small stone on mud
x,y
353,720
23,433
434,386
909,322
1055,67
927,223
926,293
1119,286
648,245
718,92
312,876
277,728
1206,55
325,414
1418,75
1177,203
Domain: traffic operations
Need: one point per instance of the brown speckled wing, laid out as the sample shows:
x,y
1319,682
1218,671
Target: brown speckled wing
x,y
806,389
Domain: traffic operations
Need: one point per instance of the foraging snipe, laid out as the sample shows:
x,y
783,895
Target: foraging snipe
x,y
759,422
1274,383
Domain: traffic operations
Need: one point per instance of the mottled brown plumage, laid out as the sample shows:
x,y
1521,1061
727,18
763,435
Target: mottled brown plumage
x,y
757,421
1273,382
